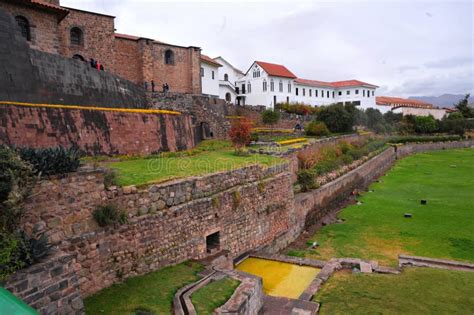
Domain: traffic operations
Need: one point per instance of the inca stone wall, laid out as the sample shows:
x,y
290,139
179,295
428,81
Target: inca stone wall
x,y
94,132
168,223
50,287
34,76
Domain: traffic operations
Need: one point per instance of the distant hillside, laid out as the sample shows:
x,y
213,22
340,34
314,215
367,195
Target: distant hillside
x,y
445,100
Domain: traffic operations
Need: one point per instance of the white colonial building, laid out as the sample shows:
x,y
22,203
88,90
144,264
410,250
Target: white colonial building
x,y
228,76
405,106
209,76
268,84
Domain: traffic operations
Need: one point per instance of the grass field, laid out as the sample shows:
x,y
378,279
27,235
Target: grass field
x,y
148,170
152,292
414,291
377,229
213,295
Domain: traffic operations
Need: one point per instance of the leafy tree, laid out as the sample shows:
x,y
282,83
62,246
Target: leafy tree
x,y
454,123
337,117
240,134
392,118
425,124
270,117
374,118
463,107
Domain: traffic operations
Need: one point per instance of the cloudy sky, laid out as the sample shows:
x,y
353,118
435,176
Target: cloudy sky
x,y
408,47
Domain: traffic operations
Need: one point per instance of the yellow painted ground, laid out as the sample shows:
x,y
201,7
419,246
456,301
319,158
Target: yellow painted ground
x,y
280,279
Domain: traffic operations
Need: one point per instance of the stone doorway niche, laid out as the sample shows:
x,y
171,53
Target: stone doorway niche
x,y
213,243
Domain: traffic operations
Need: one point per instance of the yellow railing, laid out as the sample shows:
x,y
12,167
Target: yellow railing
x,y
122,110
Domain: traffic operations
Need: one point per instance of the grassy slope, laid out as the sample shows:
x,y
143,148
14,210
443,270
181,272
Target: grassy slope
x,y
213,295
443,228
415,291
153,292
141,171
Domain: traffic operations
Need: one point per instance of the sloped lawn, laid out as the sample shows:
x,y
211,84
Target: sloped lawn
x,y
377,229
414,291
152,292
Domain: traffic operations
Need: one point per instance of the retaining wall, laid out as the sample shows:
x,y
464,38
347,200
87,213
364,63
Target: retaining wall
x,y
50,287
168,223
95,132
29,75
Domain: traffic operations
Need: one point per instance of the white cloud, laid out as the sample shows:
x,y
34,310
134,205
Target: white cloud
x,y
406,47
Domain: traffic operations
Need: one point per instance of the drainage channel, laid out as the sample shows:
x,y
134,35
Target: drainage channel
x,y
181,297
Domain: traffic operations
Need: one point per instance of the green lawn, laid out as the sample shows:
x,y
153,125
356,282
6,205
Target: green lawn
x,y
377,229
142,171
152,292
414,291
213,295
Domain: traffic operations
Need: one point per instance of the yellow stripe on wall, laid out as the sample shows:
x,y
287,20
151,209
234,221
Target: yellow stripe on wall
x,y
107,109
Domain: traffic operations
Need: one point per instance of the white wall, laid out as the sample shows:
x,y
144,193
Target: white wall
x,y
232,74
210,86
436,113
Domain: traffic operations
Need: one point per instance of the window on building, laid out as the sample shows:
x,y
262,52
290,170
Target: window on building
x,y
363,93
373,93
24,26
356,103
357,92
289,87
316,93
327,94
202,72
226,77
169,57
368,93
348,92
339,93
264,85
310,91
249,88
322,93
333,93
304,92
228,97
212,74
296,91
280,86
77,37
272,85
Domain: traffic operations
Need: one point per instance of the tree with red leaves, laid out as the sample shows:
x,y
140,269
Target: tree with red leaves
x,y
239,133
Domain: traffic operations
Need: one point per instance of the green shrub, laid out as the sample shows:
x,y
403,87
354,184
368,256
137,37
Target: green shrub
x,y
410,139
51,161
345,146
307,180
325,166
425,124
109,214
347,159
296,253
317,128
110,178
254,137
270,117
236,199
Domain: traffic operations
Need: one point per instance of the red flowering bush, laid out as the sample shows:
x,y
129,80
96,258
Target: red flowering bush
x,y
240,133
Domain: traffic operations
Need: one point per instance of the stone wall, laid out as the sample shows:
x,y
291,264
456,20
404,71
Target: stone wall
x,y
50,287
43,26
405,150
168,223
34,76
98,37
95,132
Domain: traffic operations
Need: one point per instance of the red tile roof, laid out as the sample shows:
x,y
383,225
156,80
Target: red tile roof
x,y
401,102
276,70
210,61
349,83
313,82
337,84
125,36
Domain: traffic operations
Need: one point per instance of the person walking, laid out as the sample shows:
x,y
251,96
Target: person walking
x,y
145,85
152,86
